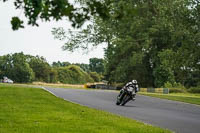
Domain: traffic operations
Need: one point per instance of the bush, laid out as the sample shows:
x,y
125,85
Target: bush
x,y
168,85
176,90
194,89
178,85
73,75
95,76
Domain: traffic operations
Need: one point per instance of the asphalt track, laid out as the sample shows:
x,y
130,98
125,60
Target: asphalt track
x,y
176,116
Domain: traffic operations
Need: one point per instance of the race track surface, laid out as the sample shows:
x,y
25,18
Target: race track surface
x,y
175,116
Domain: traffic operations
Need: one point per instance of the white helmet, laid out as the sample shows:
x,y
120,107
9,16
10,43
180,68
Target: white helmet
x,y
134,82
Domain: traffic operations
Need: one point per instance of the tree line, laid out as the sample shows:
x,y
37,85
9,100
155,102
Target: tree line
x,y
23,68
154,41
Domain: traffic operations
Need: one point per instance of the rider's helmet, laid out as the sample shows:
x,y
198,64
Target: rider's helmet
x,y
134,82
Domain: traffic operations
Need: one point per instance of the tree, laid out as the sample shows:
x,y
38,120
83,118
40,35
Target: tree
x,y
48,10
73,74
41,69
96,65
95,76
152,41
53,76
15,67
84,67
93,35
60,64
57,64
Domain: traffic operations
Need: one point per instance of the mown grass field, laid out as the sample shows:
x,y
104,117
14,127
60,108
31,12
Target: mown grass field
x,y
182,97
33,110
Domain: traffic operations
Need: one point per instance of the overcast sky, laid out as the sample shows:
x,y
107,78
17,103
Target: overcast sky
x,y
37,40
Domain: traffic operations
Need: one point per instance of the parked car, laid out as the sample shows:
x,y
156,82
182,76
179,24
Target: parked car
x,y
7,80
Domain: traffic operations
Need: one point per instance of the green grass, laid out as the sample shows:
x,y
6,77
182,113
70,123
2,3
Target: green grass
x,y
33,110
182,97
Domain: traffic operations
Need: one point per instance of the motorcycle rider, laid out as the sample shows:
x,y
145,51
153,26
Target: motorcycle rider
x,y
133,84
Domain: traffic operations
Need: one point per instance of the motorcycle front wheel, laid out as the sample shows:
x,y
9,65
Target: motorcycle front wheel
x,y
125,100
118,101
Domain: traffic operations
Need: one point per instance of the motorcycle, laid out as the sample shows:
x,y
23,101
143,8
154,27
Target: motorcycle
x,y
125,95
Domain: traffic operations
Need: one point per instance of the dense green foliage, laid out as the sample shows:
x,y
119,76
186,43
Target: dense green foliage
x,y
153,41
43,71
158,44
16,67
95,76
83,66
96,65
60,64
26,68
73,75
194,89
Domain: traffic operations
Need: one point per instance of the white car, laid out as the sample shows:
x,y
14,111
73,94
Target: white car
x,y
7,80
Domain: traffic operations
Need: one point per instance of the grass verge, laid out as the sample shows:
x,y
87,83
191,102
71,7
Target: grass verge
x,y
182,97
39,84
33,110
